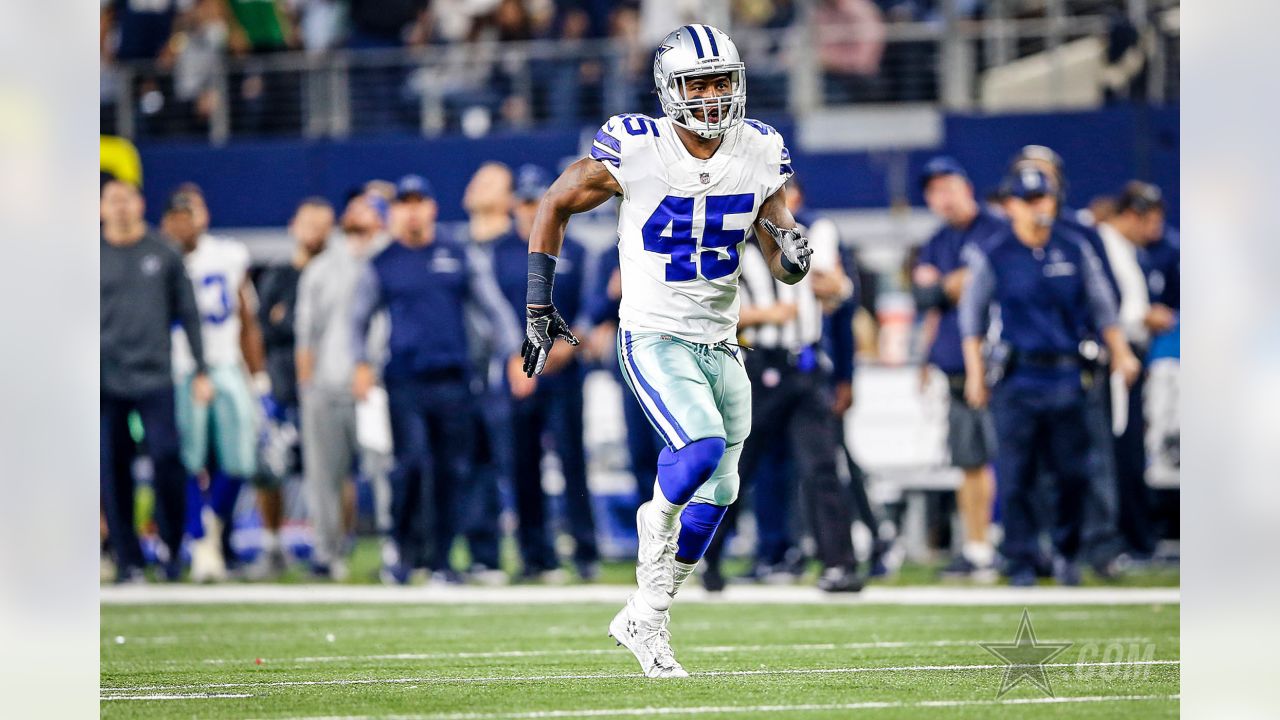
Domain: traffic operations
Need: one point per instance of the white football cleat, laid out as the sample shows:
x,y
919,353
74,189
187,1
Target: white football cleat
x,y
207,563
648,640
655,559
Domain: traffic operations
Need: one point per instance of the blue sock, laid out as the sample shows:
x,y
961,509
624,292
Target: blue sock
x,y
195,501
223,491
682,472
698,524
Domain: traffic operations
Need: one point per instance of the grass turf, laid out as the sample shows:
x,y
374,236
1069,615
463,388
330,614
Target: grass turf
x,y
485,661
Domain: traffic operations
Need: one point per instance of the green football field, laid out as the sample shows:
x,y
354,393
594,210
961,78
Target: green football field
x,y
553,660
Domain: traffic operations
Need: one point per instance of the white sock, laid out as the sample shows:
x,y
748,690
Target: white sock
x,y
979,553
270,541
682,573
664,512
644,609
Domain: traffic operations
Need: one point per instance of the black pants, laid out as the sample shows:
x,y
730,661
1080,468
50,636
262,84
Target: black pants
x,y
431,424
1137,524
794,407
116,453
554,412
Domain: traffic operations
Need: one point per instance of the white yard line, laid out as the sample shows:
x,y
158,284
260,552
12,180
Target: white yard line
x,y
568,652
751,594
726,709
195,696
610,676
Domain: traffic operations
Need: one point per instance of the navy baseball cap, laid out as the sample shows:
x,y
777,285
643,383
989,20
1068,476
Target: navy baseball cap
x,y
940,166
413,185
531,182
1027,182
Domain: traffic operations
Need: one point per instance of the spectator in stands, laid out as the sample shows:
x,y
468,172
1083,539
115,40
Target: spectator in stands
x,y
850,37
424,281
325,365
130,31
278,297
488,202
553,411
939,278
1040,277
145,291
195,52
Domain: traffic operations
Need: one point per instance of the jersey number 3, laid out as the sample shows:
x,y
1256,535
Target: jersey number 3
x,y
684,249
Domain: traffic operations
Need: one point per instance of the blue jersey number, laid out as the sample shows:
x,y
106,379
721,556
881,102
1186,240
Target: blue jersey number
x,y
214,300
669,231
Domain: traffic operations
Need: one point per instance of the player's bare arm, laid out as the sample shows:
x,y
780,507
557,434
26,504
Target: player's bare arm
x,y
251,343
775,229
581,187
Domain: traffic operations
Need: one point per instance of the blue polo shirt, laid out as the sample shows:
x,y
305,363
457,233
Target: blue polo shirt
x,y
1041,293
511,266
1161,263
424,291
945,251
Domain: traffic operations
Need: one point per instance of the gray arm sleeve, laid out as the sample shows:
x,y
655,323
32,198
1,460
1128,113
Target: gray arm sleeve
x,y
484,293
186,311
975,303
367,300
1102,304
303,313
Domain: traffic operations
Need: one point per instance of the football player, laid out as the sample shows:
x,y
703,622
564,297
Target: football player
x,y
219,271
693,185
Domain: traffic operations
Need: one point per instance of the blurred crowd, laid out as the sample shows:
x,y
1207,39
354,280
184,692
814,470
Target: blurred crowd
x,y
265,66
385,355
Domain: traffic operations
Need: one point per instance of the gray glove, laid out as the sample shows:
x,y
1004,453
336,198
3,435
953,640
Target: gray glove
x,y
795,247
542,326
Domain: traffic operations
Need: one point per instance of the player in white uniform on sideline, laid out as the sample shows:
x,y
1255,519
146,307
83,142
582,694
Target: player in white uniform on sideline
x,y
218,269
693,185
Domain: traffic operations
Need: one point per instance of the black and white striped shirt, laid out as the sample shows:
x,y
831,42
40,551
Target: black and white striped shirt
x,y
758,288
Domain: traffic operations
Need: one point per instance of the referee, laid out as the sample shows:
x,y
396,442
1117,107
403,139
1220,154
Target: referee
x,y
144,290
791,401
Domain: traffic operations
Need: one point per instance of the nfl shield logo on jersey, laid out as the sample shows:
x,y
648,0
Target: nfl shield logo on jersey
x,y
705,178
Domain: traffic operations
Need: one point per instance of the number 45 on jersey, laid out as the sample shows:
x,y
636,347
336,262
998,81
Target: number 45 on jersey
x,y
669,231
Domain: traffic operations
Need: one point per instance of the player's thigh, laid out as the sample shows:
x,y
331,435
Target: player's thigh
x,y
665,376
235,422
733,397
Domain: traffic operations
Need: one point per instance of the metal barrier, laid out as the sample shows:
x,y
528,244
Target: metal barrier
x,y
476,88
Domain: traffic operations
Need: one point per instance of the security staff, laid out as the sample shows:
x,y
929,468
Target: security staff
x,y
792,399
938,280
423,281
555,407
1040,277
1101,542
144,290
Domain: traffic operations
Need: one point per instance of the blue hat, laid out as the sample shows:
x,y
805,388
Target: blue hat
x,y
531,182
940,166
1027,182
413,185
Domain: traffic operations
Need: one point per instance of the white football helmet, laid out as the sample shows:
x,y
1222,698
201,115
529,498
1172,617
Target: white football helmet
x,y
692,51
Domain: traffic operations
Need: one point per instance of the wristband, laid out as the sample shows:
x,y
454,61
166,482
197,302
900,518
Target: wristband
x,y
542,276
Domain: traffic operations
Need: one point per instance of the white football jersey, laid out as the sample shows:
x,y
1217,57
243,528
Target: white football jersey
x,y
683,221
217,268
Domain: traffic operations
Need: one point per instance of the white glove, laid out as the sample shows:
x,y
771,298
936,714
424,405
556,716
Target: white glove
x,y
795,246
